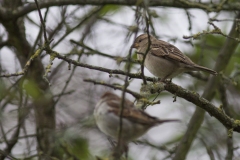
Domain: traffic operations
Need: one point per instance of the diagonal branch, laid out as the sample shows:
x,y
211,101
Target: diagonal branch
x,y
172,88
209,92
190,96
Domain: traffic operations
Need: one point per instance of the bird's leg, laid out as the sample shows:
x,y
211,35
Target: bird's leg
x,y
175,98
112,143
126,150
164,79
161,79
156,79
168,80
119,150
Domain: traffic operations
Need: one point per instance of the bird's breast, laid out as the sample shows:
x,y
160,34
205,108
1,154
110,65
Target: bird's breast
x,y
161,67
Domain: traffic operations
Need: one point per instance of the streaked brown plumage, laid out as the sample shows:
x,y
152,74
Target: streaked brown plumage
x,y
165,60
135,122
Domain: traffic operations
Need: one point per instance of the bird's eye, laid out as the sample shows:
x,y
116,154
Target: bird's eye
x,y
140,40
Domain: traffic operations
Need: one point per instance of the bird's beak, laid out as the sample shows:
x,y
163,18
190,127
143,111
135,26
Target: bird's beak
x,y
135,45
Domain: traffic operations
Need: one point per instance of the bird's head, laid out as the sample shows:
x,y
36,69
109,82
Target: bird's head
x,y
142,41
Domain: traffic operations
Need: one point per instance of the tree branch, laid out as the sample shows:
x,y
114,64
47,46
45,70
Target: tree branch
x,y
6,15
209,92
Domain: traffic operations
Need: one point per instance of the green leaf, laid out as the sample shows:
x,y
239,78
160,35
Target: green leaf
x,y
110,9
73,146
32,89
79,147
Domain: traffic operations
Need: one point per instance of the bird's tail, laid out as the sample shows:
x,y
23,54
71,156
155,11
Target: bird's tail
x,y
205,69
168,120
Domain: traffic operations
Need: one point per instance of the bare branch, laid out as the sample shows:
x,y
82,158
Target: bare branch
x,y
114,86
26,67
95,52
222,61
216,30
6,15
42,21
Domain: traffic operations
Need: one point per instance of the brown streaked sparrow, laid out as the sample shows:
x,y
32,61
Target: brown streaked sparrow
x,y
163,59
135,122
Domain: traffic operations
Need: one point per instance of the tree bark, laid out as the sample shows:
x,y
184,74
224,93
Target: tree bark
x,y
43,102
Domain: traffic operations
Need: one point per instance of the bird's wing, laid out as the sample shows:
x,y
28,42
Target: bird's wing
x,y
168,51
116,101
136,116
131,113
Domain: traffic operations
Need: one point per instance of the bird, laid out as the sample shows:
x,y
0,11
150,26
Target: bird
x,y
163,59
135,122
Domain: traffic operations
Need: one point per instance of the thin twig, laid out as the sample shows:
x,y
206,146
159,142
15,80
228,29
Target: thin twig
x,y
216,30
86,17
25,69
3,153
189,19
114,86
42,21
221,20
224,99
120,143
67,82
209,151
93,51
146,52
